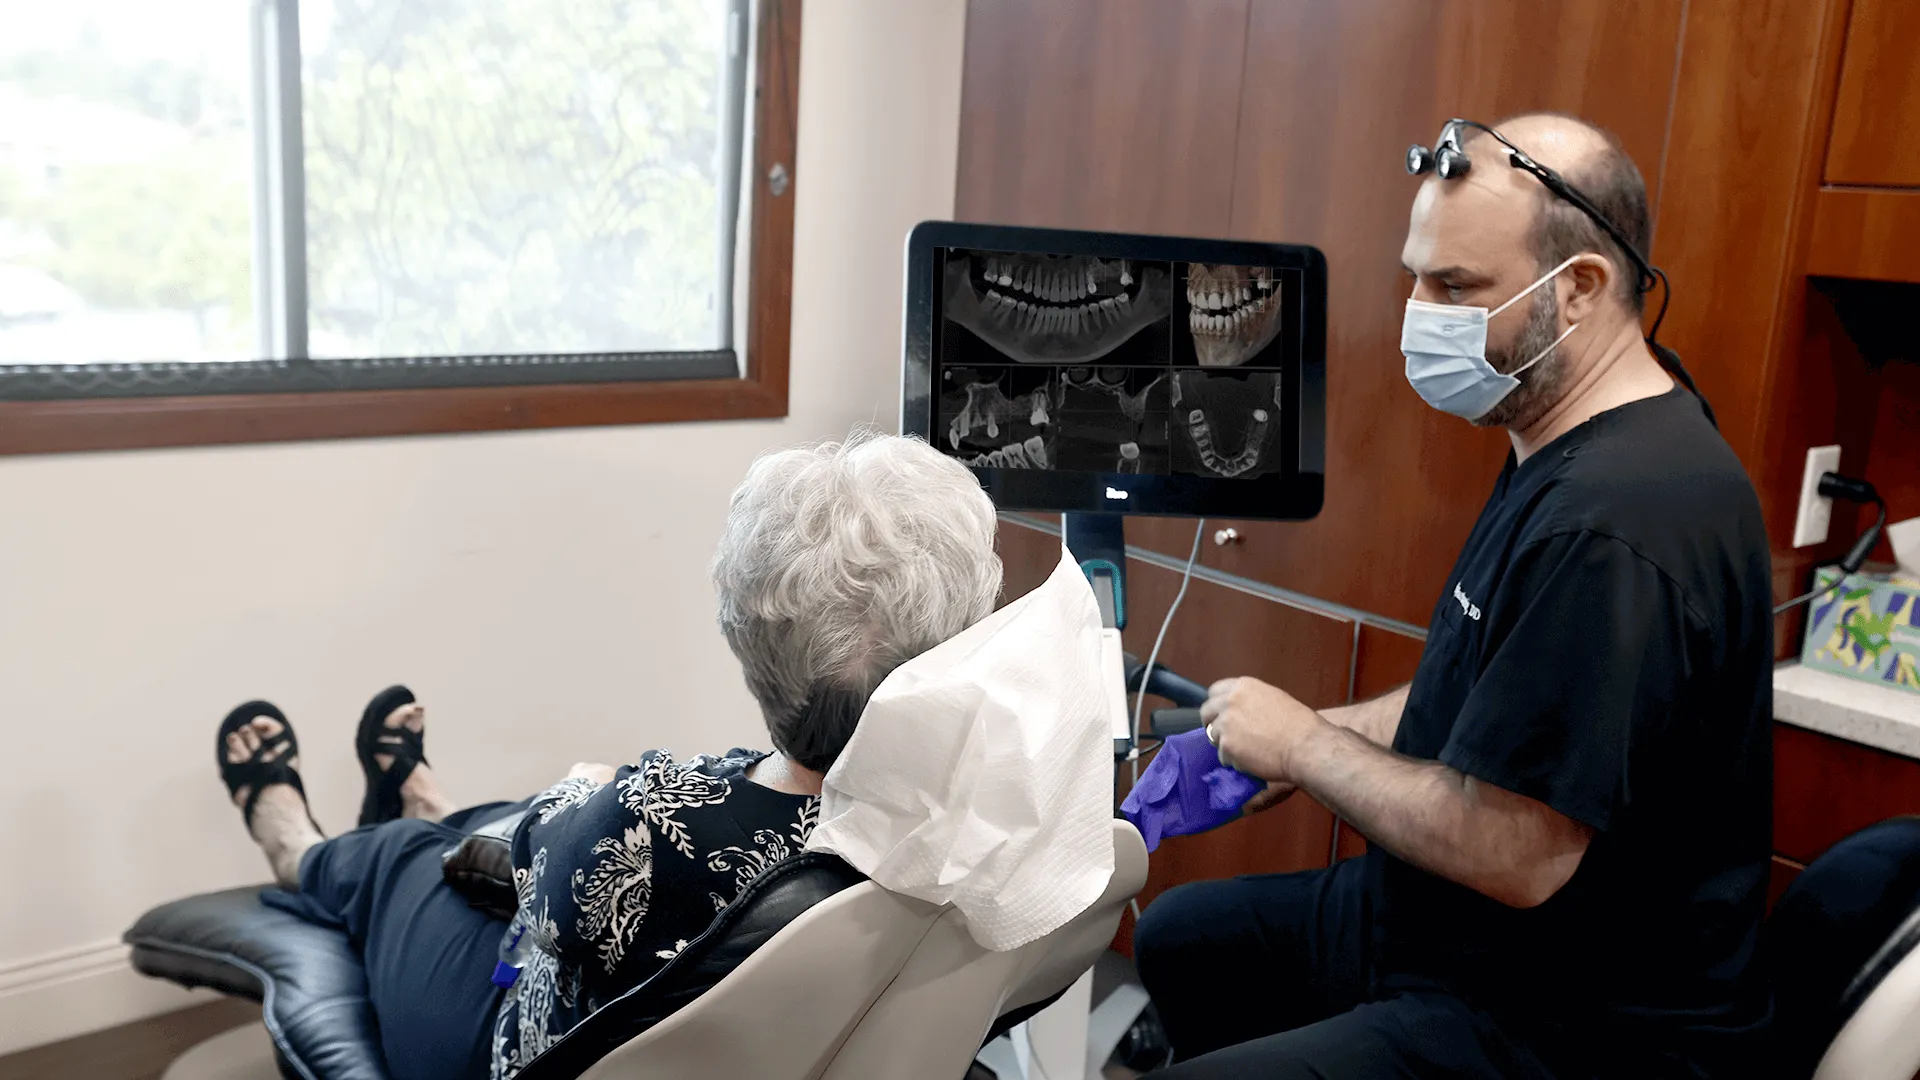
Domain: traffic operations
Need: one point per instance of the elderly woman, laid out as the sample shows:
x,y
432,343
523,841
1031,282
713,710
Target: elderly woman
x,y
838,563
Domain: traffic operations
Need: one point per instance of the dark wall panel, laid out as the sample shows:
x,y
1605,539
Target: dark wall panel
x,y
1109,114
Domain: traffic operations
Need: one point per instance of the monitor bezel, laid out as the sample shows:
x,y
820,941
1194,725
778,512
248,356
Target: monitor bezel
x,y
1294,496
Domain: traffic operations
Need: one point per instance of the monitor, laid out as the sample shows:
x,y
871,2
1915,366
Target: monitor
x,y
1113,373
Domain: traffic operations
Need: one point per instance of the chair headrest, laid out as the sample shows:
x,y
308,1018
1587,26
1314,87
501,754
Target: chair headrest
x,y
777,897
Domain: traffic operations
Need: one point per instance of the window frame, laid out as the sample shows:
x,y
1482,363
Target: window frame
x,y
78,424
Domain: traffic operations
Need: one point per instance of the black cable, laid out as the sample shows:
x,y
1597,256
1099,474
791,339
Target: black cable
x,y
1831,485
1666,297
1814,595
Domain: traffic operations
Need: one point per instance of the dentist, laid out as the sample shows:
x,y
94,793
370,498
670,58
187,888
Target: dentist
x,y
1568,808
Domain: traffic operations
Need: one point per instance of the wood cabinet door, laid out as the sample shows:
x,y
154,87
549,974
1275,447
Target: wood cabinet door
x,y
1876,118
1826,788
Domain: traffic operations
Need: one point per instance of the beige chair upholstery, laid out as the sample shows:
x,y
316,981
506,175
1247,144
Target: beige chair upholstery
x,y
1881,1041
869,984
865,984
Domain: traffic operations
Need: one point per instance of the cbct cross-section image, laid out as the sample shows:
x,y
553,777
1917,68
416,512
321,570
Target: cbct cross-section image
x,y
1054,309
1112,419
998,417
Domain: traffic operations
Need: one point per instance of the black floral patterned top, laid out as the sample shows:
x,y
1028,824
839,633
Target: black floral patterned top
x,y
615,880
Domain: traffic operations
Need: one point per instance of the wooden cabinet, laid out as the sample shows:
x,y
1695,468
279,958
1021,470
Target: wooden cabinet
x,y
1826,788
1876,115
1871,234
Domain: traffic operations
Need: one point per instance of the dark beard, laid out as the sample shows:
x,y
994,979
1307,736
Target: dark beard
x,y
1540,384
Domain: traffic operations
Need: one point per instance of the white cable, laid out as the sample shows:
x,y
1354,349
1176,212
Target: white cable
x,y
1140,698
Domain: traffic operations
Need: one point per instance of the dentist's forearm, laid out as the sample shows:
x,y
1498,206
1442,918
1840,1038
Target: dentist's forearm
x,y
1375,720
1502,845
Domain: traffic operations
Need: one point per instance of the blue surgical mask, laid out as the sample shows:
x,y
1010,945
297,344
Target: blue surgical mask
x,y
1446,350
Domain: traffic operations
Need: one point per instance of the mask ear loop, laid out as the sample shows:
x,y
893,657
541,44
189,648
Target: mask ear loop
x,y
1542,355
1549,276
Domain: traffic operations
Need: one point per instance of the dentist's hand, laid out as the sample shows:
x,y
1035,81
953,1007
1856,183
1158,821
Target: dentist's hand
x,y
1257,728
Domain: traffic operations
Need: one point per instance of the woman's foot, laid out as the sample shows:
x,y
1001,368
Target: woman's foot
x,y
259,751
391,746
420,794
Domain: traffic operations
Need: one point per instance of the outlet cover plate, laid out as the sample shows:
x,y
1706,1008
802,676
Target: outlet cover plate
x,y
1811,521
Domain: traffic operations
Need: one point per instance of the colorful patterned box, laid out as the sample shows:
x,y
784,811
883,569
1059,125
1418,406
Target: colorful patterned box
x,y
1868,629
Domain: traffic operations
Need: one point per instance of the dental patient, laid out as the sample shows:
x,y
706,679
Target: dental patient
x,y
837,564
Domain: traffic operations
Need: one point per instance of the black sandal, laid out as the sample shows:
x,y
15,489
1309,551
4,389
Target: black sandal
x,y
407,747
257,773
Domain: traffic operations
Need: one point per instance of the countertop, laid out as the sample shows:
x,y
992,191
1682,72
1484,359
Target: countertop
x,y
1851,709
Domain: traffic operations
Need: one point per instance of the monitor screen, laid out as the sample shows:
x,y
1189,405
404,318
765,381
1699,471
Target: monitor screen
x,y
1078,371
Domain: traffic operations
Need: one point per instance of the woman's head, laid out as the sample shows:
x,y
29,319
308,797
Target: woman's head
x,y
839,563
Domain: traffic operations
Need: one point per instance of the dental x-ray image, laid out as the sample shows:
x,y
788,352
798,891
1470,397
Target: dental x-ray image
x,y
1054,309
997,417
1228,424
1112,420
1233,315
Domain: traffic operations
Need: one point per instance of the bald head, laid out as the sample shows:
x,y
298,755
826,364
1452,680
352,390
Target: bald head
x,y
1590,159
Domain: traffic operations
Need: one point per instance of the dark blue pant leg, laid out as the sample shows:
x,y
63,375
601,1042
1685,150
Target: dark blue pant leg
x,y
428,955
1240,958
1413,1036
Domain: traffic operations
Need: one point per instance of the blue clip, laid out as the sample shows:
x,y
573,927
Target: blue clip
x,y
1089,567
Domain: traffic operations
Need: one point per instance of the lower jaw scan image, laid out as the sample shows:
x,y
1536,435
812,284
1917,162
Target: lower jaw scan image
x,y
1233,312
1054,309
1229,424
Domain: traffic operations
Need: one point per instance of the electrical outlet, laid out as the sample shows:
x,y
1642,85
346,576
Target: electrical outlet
x,y
1815,513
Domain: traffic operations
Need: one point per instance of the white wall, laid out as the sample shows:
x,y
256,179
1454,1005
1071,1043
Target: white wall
x,y
543,592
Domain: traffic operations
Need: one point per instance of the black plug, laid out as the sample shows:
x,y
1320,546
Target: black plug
x,y
1835,486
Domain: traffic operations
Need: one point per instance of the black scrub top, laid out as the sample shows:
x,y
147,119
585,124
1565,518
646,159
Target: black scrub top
x,y
1604,645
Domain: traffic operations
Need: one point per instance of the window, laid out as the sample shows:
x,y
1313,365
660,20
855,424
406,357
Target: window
x,y
228,220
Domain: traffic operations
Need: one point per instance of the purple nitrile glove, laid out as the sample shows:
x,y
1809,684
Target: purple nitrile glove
x,y
1186,790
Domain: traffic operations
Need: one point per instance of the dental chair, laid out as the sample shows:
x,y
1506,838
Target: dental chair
x,y
812,972
1840,949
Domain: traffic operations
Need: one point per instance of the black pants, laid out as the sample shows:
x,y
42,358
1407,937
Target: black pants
x,y
429,957
1270,976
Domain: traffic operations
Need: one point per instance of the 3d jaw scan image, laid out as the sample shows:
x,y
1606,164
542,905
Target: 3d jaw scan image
x,y
1233,313
1055,309
1229,424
